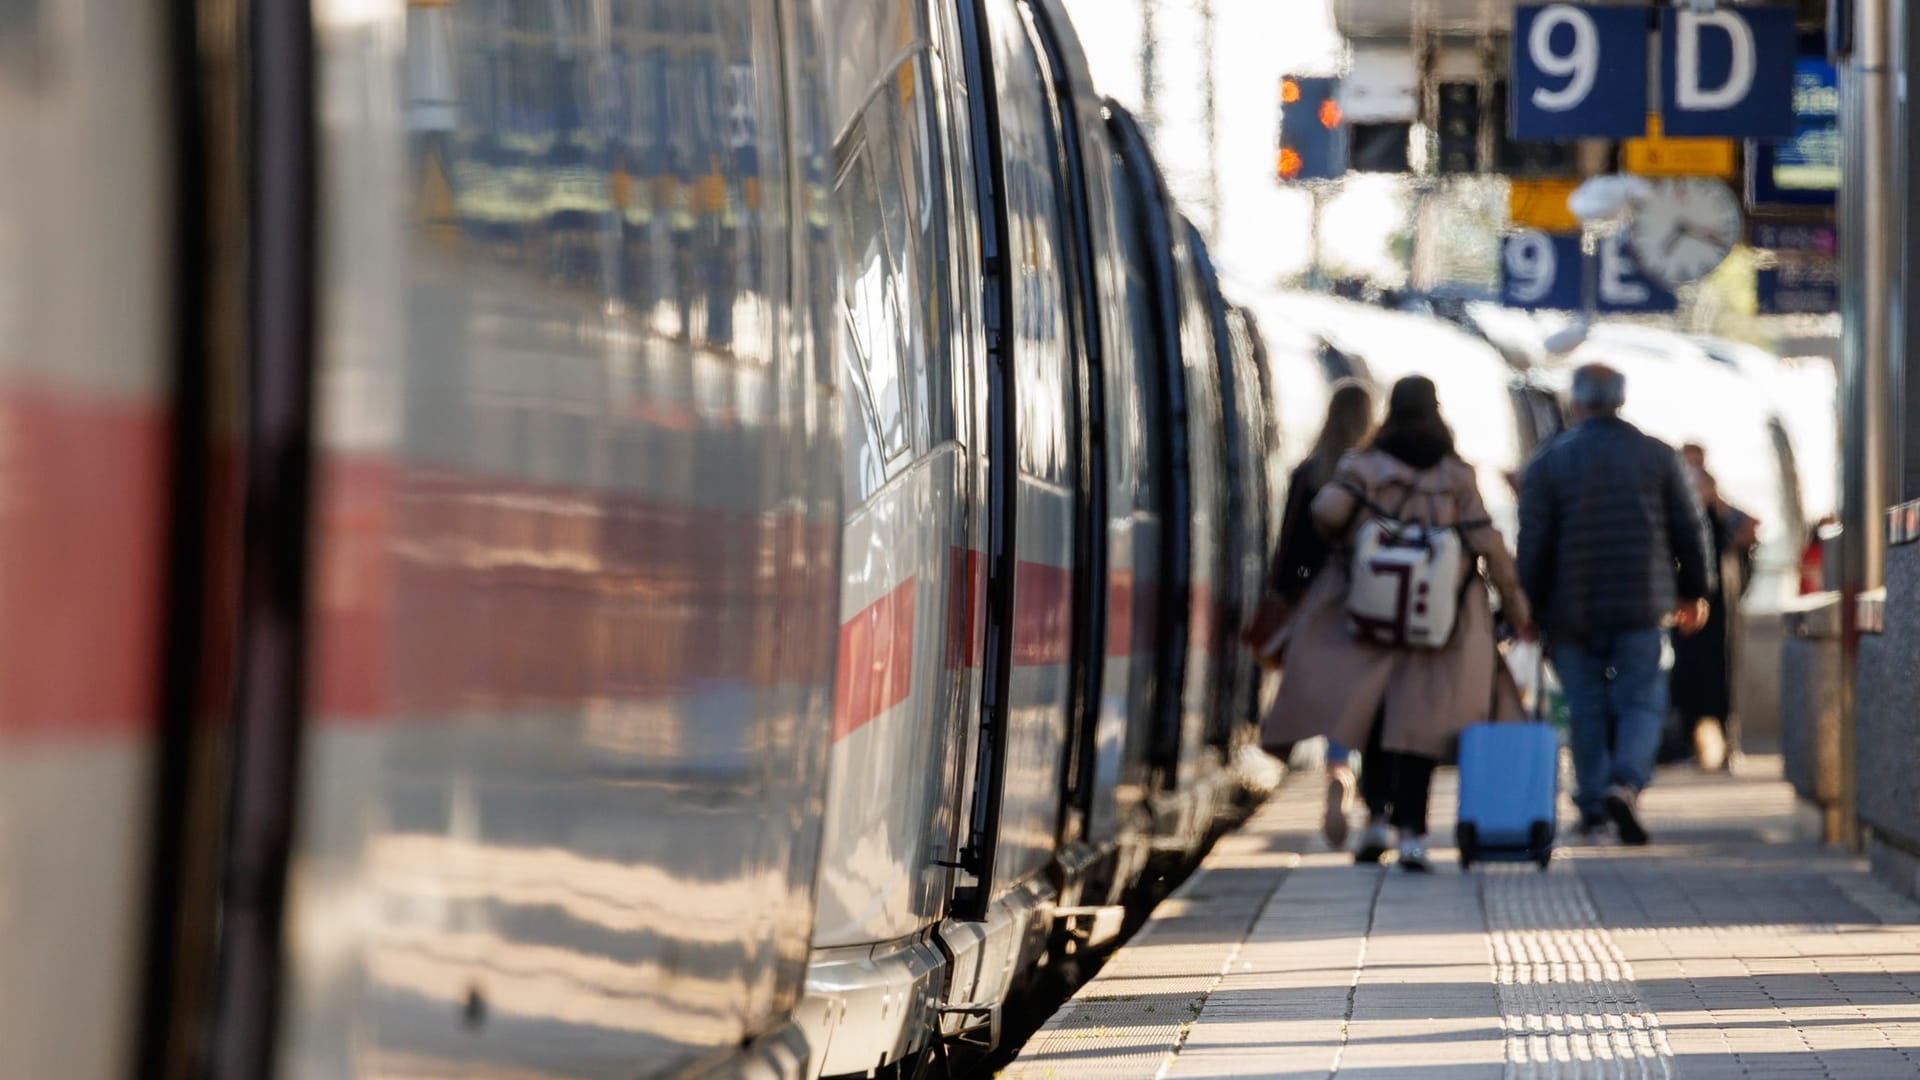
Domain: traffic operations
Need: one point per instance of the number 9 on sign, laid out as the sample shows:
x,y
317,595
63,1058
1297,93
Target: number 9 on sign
x,y
1579,71
1579,64
1540,271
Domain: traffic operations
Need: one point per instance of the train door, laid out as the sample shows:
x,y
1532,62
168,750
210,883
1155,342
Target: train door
x,y
1209,588
1259,530
1175,746
575,597
908,293
1107,785
1238,523
97,306
1027,683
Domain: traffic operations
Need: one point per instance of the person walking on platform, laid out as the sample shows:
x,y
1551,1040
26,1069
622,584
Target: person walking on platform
x,y
1405,705
1302,554
1704,663
1613,546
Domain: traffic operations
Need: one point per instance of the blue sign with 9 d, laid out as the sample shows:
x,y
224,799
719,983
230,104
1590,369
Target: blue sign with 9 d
x,y
1541,271
1579,72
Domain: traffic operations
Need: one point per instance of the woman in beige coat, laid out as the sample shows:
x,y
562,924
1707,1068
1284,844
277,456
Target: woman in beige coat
x,y
1404,706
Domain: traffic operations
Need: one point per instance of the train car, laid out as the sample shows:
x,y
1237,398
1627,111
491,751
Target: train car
x,y
1189,776
576,545
1261,484
1109,827
973,548
99,553
995,790
1244,547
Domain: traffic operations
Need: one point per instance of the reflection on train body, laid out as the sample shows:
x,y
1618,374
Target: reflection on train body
x,y
579,541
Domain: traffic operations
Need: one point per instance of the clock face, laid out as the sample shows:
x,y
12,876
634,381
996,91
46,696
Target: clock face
x,y
1684,228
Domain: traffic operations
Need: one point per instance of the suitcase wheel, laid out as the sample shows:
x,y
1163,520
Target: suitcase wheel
x,y
1467,839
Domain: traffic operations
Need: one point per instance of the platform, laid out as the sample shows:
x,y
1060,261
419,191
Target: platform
x,y
1726,948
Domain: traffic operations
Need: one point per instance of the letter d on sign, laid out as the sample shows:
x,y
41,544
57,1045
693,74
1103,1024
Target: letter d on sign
x,y
1727,73
1688,93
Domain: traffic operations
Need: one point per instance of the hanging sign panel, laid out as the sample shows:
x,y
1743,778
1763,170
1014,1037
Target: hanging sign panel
x,y
1803,170
1819,238
1798,287
1726,72
1578,71
1542,205
1657,155
1543,271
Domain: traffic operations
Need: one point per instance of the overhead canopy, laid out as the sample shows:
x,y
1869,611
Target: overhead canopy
x,y
1396,20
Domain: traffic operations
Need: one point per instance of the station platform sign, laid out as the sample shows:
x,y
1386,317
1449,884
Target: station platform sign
x,y
1656,155
1542,205
1585,70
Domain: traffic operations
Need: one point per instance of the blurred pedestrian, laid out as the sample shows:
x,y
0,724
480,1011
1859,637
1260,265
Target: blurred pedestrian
x,y
1705,663
1302,554
1405,706
1613,547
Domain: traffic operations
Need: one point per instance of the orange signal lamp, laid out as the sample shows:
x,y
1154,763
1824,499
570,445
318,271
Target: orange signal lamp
x,y
1289,91
1329,114
1289,163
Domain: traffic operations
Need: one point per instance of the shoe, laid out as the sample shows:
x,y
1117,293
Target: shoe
x,y
1339,802
1373,845
1710,747
1620,807
1413,857
1592,830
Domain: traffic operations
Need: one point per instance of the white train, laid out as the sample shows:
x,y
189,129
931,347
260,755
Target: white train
x,y
596,538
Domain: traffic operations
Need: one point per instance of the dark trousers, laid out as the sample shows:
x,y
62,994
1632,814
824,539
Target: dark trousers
x,y
1395,785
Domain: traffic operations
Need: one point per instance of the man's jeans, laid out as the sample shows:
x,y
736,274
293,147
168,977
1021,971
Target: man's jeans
x,y
1617,701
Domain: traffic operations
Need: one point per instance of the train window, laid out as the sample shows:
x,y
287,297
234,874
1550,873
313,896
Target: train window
x,y
1035,242
893,253
1139,345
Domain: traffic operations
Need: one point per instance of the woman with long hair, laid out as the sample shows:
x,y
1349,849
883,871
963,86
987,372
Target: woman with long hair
x,y
1302,552
1404,705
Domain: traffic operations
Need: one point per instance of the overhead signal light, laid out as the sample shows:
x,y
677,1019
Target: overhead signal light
x,y
1313,129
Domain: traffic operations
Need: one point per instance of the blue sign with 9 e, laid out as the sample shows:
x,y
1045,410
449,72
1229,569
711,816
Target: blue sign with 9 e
x,y
1540,271
1579,72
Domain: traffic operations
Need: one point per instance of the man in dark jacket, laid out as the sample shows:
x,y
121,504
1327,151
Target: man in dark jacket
x,y
1613,547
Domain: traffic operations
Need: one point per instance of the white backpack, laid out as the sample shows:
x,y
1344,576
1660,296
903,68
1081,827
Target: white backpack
x,y
1406,581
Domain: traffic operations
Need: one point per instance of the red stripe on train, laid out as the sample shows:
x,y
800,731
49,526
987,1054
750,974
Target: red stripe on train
x,y
82,533
1120,613
876,660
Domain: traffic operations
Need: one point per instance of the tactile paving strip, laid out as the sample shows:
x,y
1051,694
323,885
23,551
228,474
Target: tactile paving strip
x,y
1570,1009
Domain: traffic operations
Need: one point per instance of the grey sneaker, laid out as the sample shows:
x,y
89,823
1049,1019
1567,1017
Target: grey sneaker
x,y
1622,807
1339,804
1373,845
1413,857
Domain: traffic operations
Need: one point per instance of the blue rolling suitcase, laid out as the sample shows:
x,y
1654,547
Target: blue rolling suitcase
x,y
1509,793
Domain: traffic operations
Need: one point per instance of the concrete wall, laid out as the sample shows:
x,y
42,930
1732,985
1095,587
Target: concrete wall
x,y
1756,689
1887,718
1809,680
